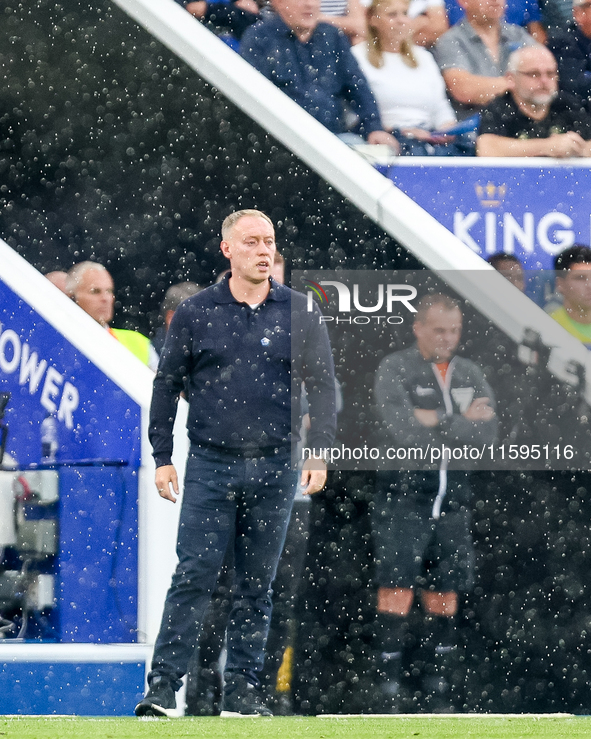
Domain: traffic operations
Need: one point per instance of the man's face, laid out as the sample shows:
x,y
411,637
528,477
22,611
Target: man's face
x,y
582,16
575,287
300,15
438,334
95,294
250,247
484,11
536,80
512,272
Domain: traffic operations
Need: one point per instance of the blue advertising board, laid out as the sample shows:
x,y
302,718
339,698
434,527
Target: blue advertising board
x,y
98,454
532,212
47,375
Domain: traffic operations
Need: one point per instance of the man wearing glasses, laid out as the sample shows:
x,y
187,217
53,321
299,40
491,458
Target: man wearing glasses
x,y
534,119
473,55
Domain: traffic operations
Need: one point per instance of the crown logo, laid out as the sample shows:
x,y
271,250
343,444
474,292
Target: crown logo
x,y
490,195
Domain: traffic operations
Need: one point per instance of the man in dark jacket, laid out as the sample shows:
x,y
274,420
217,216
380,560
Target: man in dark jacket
x,y
426,396
572,49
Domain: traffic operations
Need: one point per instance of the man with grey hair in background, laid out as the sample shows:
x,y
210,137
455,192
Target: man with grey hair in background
x,y
534,119
91,287
173,297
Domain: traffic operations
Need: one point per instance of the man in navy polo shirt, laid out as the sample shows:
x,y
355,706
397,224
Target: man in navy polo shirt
x,y
312,63
232,346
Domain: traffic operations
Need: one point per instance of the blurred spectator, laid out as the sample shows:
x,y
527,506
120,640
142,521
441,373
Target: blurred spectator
x,y
405,80
556,13
510,267
524,13
348,15
92,288
234,16
473,55
572,48
59,279
518,382
278,271
573,282
312,63
173,297
533,119
429,21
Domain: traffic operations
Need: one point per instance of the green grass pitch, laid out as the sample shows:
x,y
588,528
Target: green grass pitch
x,y
350,727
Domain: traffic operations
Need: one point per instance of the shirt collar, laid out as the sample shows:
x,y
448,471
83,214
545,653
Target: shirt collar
x,y
223,294
281,27
278,24
470,30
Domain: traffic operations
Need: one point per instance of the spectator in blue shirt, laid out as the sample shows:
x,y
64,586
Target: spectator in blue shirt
x,y
572,49
312,63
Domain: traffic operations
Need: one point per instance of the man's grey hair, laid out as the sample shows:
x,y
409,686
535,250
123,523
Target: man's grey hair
x,y
515,56
175,295
231,220
75,275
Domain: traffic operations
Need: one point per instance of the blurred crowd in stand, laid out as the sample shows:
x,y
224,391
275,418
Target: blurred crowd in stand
x,y
425,77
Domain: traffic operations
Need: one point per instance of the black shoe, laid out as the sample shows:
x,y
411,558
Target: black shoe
x,y
437,681
204,693
242,698
159,701
389,676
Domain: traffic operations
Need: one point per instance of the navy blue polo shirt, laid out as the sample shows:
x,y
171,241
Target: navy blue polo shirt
x,y
321,74
235,363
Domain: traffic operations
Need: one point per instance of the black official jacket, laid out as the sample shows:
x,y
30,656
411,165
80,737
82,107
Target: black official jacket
x,y
405,381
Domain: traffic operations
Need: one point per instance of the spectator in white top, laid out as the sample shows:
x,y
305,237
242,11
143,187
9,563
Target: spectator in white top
x,y
405,80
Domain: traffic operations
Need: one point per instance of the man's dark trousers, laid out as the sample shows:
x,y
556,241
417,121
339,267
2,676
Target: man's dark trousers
x,y
245,501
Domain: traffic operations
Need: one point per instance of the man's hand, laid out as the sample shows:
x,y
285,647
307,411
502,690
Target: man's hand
x,y
420,134
313,477
426,418
165,478
564,145
384,138
480,410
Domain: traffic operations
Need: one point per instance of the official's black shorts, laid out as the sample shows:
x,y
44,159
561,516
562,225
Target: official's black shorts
x,y
414,550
